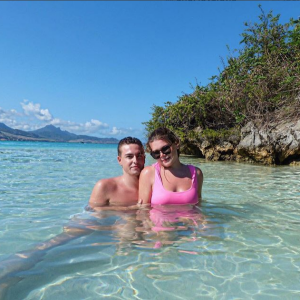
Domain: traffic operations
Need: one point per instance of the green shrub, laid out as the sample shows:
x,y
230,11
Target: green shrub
x,y
260,83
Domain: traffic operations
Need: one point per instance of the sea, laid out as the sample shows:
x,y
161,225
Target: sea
x,y
242,242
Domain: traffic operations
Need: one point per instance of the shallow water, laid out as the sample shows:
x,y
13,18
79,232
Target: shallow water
x,y
242,243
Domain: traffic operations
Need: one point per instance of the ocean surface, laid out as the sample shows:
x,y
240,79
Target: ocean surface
x,y
242,243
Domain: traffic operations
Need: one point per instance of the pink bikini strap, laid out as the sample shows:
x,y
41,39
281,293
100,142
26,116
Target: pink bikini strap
x,y
193,172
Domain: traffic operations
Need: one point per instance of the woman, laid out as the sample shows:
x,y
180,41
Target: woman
x,y
168,181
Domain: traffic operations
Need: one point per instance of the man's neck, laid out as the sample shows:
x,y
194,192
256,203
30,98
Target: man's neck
x,y
130,180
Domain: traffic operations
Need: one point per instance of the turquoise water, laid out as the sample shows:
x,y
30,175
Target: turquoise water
x,y
243,243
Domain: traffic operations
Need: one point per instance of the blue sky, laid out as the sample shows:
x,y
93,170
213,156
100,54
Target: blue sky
x,y
98,67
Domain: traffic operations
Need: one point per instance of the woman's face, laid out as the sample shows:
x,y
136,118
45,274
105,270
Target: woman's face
x,y
164,152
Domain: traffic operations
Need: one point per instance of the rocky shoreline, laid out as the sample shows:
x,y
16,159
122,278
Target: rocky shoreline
x,y
272,145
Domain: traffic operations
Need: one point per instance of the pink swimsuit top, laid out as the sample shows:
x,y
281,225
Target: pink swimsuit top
x,y
161,196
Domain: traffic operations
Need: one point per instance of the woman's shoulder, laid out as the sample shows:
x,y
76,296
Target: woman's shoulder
x,y
194,167
199,174
147,177
198,170
148,170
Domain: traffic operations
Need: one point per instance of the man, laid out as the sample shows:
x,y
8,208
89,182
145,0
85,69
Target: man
x,y
117,193
122,190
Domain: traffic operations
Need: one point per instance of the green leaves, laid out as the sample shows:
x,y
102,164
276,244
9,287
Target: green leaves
x,y
260,83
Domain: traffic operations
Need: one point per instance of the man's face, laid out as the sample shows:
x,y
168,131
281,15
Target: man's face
x,y
132,159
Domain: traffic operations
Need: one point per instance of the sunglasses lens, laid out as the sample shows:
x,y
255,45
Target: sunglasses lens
x,y
165,150
155,154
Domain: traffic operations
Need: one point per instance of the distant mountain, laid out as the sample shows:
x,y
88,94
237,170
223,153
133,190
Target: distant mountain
x,y
17,132
50,133
54,133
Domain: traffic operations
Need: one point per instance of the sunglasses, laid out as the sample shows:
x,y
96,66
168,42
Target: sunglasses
x,y
164,150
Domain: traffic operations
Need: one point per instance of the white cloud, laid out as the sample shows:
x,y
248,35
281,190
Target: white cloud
x,y
34,117
25,127
9,113
94,125
8,117
122,132
14,112
30,108
115,131
34,109
56,122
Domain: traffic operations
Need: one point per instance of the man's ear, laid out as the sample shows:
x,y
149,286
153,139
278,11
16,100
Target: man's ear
x,y
119,160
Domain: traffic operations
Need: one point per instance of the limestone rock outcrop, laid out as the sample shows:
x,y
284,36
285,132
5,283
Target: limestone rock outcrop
x,y
277,144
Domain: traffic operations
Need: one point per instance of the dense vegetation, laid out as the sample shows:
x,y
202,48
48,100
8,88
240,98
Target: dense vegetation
x,y
259,83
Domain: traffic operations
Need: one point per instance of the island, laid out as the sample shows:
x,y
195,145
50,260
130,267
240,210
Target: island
x,y
50,133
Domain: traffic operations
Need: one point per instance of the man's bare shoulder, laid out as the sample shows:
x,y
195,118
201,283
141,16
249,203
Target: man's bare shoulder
x,y
107,184
103,191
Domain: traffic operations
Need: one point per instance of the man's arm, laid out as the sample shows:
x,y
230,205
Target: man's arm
x,y
100,193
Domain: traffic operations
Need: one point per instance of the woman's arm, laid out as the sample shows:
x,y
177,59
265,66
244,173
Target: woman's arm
x,y
146,181
200,182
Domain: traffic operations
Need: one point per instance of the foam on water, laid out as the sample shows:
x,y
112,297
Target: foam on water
x,y
243,243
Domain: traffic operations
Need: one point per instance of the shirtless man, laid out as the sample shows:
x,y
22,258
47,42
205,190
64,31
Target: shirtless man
x,y
117,193
121,191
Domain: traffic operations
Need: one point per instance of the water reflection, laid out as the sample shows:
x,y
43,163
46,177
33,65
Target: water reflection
x,y
151,228
116,233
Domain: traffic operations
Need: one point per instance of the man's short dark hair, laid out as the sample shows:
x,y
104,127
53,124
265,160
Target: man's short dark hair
x,y
127,141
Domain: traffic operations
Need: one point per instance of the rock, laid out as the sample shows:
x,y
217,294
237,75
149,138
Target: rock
x,y
278,144
286,139
255,145
295,163
222,151
225,148
190,149
205,145
275,144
